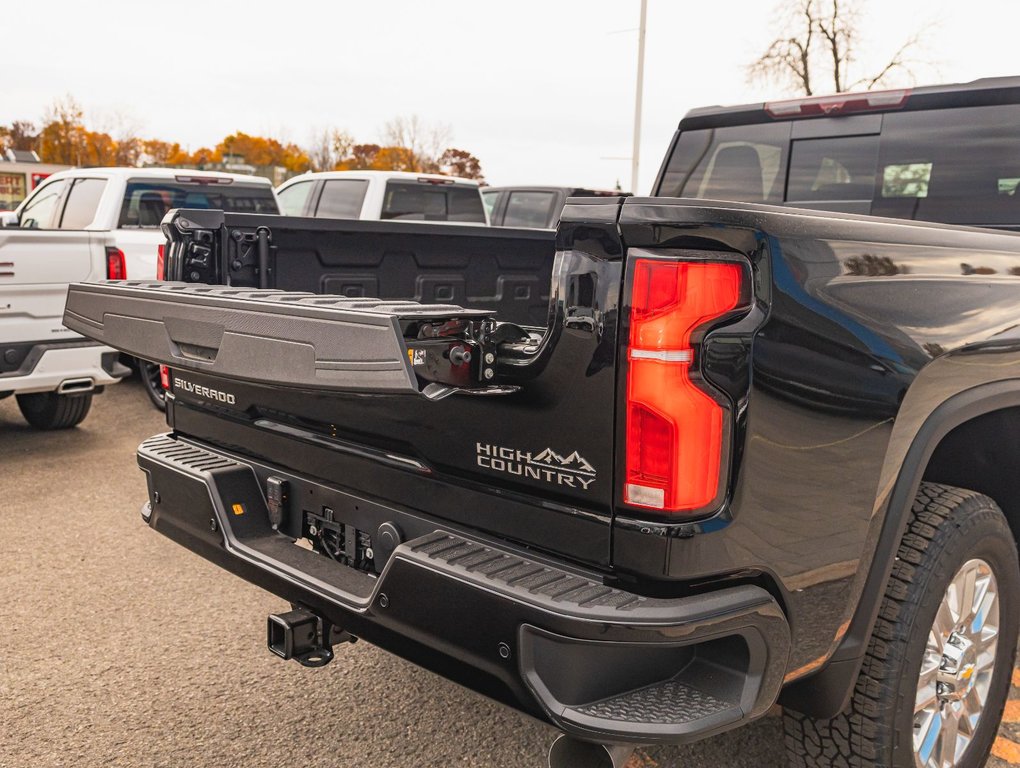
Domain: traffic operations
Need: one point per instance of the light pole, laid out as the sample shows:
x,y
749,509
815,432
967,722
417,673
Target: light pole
x,y
635,160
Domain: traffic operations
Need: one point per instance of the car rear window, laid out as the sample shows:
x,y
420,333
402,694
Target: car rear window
x,y
743,162
415,201
146,202
342,199
957,166
529,209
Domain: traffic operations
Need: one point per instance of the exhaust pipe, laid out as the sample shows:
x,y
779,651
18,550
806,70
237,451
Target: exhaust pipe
x,y
76,386
568,752
303,636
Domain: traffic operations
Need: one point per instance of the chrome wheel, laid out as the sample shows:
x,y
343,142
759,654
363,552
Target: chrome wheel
x,y
956,670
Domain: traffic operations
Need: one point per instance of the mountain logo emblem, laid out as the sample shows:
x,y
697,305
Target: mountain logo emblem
x,y
574,462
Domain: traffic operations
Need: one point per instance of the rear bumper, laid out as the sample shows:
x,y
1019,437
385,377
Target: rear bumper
x,y
542,636
50,366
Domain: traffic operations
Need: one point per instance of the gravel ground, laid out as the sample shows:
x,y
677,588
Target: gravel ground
x,y
120,648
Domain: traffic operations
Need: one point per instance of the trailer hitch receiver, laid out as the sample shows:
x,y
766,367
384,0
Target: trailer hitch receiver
x,y
304,636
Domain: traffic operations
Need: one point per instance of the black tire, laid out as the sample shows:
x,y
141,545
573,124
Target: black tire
x,y
948,527
48,410
149,374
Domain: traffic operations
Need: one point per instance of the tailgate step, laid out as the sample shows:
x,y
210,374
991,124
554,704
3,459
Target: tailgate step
x,y
263,336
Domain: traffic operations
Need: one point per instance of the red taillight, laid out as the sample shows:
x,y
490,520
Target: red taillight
x,y
115,268
164,377
161,262
675,429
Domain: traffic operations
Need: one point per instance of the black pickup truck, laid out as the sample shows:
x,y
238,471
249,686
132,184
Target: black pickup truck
x,y
734,453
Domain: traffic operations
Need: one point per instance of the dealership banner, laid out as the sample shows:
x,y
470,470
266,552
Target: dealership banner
x,y
12,190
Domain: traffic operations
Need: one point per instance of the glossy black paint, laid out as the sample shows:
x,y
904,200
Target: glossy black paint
x,y
846,367
860,330
469,444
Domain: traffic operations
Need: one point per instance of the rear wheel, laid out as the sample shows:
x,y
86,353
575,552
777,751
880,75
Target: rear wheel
x,y
937,671
48,410
152,381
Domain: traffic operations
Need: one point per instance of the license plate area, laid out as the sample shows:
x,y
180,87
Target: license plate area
x,y
338,540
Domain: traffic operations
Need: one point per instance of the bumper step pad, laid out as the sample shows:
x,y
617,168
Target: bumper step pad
x,y
665,703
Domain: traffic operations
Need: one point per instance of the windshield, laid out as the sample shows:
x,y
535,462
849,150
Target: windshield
x,y
146,202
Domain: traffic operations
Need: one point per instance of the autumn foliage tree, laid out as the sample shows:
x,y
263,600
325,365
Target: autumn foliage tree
x,y
411,145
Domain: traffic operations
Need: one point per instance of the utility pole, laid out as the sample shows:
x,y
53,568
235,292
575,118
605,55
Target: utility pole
x,y
635,160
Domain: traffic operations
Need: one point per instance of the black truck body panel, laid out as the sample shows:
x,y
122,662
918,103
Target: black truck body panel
x,y
834,376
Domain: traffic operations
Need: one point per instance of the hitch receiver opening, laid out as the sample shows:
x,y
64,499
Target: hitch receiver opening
x,y
303,636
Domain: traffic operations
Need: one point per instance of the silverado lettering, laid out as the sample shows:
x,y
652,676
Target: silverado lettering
x,y
207,392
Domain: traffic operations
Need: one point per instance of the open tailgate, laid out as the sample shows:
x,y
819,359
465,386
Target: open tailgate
x,y
266,336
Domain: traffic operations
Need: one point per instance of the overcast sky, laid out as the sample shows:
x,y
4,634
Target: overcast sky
x,y
541,91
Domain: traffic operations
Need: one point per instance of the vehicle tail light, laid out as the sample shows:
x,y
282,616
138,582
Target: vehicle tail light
x,y
164,377
115,267
161,262
675,427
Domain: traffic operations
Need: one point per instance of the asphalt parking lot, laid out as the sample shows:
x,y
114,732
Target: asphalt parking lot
x,y
120,648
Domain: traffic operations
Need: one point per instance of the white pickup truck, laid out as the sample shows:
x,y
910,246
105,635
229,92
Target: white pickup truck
x,y
127,206
53,371
383,195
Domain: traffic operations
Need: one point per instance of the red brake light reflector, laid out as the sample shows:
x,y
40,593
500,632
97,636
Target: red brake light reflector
x,y
115,266
838,104
161,262
164,377
675,429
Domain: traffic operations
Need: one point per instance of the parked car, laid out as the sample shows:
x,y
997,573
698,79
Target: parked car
x,y
130,203
750,453
383,195
53,371
532,207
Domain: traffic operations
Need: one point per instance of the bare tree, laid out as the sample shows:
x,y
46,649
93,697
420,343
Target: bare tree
x,y
424,141
822,37
328,147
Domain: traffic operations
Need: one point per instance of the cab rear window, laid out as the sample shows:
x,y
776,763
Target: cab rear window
x,y
415,201
146,202
957,166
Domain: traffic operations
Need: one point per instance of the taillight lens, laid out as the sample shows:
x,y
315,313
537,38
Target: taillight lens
x,y
115,267
161,262
164,377
675,428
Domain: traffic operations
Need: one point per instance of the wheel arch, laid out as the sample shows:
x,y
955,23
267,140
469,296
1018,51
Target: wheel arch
x,y
934,454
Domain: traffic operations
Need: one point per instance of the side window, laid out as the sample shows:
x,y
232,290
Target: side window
x,y
529,209
341,199
293,198
489,200
832,169
958,166
42,211
746,163
82,203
